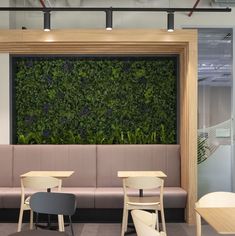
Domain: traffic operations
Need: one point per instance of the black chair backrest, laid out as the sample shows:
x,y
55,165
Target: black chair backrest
x,y
53,203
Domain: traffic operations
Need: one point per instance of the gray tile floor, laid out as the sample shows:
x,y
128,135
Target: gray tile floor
x,y
173,229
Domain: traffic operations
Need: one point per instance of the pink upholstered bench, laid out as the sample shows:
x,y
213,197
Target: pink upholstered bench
x,y
112,158
95,180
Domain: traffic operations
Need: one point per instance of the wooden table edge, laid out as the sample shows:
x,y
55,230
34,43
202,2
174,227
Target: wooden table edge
x,y
162,174
219,232
27,174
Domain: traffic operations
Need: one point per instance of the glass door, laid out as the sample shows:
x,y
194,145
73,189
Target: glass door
x,y
215,63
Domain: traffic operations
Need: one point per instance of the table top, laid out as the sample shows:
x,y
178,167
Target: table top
x,y
125,174
222,219
56,174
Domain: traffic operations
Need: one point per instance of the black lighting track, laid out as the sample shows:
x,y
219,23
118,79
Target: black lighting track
x,y
115,9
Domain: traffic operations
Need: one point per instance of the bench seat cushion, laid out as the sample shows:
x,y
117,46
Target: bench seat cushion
x,y
108,197
10,197
174,197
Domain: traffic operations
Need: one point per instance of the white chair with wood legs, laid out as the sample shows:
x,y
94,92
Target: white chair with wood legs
x,y
143,202
36,183
145,223
214,199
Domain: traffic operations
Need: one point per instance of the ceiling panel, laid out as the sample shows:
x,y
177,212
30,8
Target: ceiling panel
x,y
215,57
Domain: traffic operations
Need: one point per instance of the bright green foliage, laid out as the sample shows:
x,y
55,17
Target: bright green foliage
x,y
96,100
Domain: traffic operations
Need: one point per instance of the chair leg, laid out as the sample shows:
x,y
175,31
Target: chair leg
x,y
36,223
126,221
31,220
163,220
198,225
20,219
123,222
157,220
61,228
71,225
62,223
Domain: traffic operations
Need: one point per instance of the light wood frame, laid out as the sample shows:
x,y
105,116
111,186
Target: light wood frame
x,y
130,41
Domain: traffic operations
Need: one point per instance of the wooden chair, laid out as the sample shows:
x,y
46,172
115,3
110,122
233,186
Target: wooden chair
x,y
35,183
145,223
214,199
143,202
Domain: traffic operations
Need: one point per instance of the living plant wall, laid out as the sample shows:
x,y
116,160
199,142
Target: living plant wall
x,y
94,100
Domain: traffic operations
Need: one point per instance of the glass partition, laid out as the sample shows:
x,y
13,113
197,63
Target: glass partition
x,y
215,63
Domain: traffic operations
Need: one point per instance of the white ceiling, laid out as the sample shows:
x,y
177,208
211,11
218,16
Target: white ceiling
x,y
215,57
214,45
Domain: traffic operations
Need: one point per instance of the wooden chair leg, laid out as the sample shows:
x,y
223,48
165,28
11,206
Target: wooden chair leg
x,y
59,223
126,221
62,223
198,225
20,219
163,220
31,220
157,220
124,218
36,223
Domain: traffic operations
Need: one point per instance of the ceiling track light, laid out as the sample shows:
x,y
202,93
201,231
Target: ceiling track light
x,y
170,21
47,21
109,19
149,9
109,12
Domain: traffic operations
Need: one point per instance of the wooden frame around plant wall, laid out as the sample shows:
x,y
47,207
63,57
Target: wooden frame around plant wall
x,y
130,41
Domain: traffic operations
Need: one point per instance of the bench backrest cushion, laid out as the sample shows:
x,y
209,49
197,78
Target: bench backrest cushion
x,y
6,155
79,158
113,158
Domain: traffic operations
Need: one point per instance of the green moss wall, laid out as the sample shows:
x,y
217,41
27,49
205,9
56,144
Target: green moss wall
x,y
94,100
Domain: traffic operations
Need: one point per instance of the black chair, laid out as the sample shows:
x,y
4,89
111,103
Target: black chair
x,y
39,233
53,204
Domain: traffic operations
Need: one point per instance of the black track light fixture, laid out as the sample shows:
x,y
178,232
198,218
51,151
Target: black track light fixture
x,y
109,12
170,21
109,19
47,21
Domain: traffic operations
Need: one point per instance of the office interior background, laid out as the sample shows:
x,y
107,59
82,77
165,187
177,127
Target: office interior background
x,y
216,94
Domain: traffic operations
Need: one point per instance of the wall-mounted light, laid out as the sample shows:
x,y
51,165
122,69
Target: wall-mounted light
x,y
170,21
109,19
47,21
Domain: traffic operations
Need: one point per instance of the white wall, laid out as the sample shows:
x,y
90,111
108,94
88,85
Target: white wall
x,y
4,16
4,83
4,100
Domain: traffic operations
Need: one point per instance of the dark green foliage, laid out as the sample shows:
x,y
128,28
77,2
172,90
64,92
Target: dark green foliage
x,y
203,149
97,100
